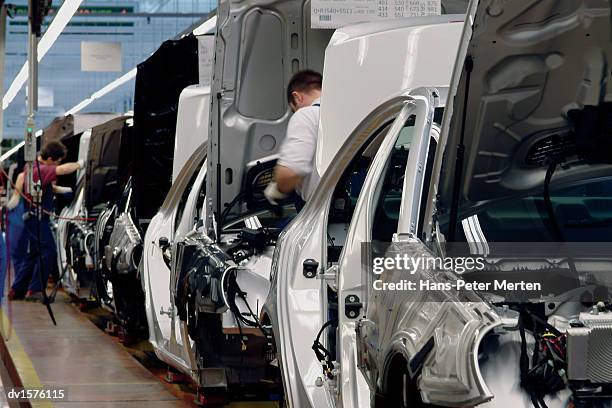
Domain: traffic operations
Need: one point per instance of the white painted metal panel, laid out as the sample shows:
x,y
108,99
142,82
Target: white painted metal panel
x,y
191,124
366,64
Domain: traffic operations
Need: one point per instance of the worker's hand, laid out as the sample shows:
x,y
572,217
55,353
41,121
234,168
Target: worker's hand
x,y
62,190
272,194
81,163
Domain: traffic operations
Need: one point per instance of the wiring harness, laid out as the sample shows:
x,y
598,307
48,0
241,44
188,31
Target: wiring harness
x,y
547,372
324,356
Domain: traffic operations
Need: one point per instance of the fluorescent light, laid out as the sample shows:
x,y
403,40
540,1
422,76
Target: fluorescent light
x,y
18,82
100,93
116,83
206,26
61,19
64,14
11,152
16,148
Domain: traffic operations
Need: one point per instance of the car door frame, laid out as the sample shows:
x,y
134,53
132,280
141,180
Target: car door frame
x,y
164,224
353,287
296,303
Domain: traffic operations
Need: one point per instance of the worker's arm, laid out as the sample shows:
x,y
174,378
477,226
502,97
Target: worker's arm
x,y
286,179
14,201
295,156
68,168
19,183
297,152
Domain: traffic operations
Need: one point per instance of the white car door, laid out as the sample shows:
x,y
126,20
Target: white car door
x,y
303,305
380,210
170,223
187,217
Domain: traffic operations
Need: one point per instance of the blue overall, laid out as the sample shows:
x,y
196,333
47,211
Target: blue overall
x,y
18,248
3,265
32,271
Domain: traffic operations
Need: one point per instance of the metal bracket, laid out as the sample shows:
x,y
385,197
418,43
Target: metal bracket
x,y
352,306
310,268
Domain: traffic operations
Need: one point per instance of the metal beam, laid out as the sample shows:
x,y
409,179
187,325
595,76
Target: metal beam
x,y
3,17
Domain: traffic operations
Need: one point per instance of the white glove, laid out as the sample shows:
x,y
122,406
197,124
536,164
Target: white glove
x,y
81,163
62,190
272,194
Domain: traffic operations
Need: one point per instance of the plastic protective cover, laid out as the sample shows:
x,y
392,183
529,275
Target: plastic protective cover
x,y
107,166
159,82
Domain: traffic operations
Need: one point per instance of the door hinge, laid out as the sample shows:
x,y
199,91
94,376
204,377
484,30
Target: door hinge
x,y
330,274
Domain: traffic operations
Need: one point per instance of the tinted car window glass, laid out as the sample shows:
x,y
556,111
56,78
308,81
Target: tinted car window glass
x,y
582,212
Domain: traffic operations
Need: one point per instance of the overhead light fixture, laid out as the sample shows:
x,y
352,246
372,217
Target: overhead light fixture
x,y
18,146
61,19
100,93
12,151
205,28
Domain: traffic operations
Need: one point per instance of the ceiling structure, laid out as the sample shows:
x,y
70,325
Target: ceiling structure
x,y
139,26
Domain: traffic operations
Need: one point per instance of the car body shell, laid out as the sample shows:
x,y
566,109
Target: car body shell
x,y
297,305
166,333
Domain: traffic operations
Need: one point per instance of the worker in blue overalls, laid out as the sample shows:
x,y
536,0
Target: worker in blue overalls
x,y
31,273
3,262
17,250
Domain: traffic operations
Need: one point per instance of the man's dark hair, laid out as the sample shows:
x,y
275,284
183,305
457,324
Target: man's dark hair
x,y
54,150
304,81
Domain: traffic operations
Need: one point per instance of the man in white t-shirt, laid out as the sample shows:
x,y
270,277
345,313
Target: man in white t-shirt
x,y
295,169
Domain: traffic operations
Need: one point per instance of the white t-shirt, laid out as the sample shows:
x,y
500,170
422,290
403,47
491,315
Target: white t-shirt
x,y
298,149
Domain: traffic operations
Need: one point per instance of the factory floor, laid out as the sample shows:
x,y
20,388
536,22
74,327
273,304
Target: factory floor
x,y
93,368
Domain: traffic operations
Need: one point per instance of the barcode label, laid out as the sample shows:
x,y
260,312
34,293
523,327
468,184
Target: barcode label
x,y
340,13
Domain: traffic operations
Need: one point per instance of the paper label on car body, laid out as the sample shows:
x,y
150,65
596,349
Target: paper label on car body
x,y
339,13
206,56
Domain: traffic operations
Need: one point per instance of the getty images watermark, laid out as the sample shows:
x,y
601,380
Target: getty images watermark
x,y
459,265
21,394
513,271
